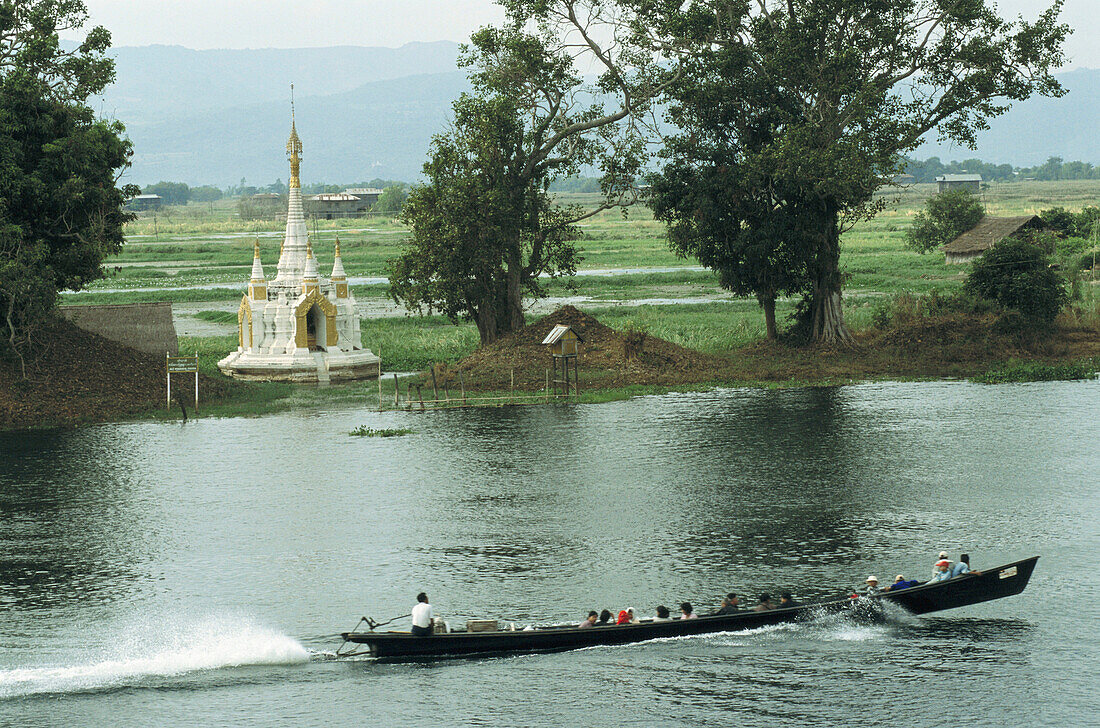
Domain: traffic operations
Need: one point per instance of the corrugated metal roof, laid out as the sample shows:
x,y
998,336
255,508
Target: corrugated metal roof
x,y
334,197
557,332
989,232
959,178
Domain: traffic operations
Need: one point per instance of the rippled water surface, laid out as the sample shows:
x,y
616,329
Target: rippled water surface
x,y
196,574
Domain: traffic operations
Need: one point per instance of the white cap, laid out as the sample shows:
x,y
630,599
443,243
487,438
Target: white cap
x,y
872,578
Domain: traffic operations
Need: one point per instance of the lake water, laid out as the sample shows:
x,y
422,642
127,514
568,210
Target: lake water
x,y
197,574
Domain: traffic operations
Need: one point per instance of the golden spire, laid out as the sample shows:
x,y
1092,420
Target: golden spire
x,y
337,246
294,146
309,247
256,248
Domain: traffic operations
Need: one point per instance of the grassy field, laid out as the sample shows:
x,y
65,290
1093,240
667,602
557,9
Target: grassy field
x,y
169,258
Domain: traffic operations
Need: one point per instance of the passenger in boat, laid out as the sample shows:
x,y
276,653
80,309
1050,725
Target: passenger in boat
x,y
422,616
942,572
786,601
662,614
936,567
687,611
963,567
729,604
625,616
872,586
589,621
764,604
900,582
605,618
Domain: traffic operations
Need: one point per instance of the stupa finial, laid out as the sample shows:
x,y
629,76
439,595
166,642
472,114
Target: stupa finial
x,y
294,146
337,246
256,248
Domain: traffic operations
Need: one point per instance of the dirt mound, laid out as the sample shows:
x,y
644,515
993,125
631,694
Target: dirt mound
x,y
81,377
607,357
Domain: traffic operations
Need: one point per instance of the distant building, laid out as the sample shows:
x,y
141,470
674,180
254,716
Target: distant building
x,y
140,203
369,195
330,205
987,233
972,182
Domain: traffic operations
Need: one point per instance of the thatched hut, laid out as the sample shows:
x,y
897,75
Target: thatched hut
x,y
986,234
146,327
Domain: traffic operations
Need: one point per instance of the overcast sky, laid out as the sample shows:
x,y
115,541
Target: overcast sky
x,y
205,24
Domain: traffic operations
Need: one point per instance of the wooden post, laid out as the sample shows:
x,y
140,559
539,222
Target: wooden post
x,y
396,392
420,395
196,382
446,392
547,387
512,386
435,388
379,385
462,383
168,374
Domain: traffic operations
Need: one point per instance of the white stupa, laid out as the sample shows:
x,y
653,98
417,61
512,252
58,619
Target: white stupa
x,y
299,327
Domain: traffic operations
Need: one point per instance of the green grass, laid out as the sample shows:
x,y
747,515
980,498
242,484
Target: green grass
x,y
1030,371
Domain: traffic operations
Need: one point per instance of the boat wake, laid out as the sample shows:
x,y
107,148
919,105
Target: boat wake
x,y
205,645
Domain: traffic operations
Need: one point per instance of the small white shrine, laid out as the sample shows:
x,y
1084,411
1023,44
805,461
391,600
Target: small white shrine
x,y
300,326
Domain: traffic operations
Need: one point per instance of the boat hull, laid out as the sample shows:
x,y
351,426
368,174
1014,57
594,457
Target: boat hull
x,y
961,591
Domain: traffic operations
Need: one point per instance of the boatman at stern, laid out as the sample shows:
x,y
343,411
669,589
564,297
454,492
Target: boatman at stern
x,y
422,616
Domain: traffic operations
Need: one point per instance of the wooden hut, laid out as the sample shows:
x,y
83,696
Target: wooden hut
x,y
564,347
987,233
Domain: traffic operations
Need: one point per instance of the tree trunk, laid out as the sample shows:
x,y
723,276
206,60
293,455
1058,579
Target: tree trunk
x,y
514,298
828,315
768,305
486,321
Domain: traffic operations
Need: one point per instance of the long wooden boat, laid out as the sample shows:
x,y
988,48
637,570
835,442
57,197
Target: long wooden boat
x,y
960,591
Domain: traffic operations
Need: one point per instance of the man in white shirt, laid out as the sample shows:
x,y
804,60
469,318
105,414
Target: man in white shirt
x,y
422,616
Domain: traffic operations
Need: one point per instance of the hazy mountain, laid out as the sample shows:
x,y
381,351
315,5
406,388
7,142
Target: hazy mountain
x,y
381,129
159,83
1035,130
215,117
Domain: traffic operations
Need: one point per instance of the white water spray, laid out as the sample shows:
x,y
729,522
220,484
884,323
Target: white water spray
x,y
204,645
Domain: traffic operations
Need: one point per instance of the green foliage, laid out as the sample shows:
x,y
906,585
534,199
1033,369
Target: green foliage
x,y
484,227
1015,274
931,168
364,431
1084,224
822,97
60,211
173,193
948,215
206,193
1027,371
392,199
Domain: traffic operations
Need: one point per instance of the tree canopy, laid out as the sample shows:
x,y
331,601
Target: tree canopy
x,y
484,228
947,216
60,206
822,98
1016,274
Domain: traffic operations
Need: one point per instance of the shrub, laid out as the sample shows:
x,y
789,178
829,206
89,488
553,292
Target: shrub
x,y
1014,273
948,215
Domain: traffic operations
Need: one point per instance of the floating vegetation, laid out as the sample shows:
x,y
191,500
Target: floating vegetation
x,y
1038,372
363,431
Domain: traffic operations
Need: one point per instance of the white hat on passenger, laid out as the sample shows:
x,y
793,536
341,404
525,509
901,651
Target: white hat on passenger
x,y
872,578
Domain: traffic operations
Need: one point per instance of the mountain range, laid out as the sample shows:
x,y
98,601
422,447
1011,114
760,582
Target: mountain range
x,y
220,116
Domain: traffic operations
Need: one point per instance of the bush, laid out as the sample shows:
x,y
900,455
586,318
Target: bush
x,y
949,215
1014,273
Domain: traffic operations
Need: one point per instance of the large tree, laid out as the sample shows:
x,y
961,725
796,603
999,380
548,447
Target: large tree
x,y
832,93
60,206
484,228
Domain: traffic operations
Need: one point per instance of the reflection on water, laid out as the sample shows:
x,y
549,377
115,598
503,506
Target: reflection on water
x,y
290,530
